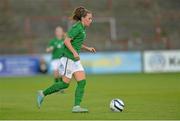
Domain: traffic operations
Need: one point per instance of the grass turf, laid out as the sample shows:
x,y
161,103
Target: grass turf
x,y
146,96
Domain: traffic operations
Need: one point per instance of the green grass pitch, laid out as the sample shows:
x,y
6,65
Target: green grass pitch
x,y
146,96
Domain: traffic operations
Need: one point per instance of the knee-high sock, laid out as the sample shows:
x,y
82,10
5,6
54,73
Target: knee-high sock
x,y
56,80
55,87
79,92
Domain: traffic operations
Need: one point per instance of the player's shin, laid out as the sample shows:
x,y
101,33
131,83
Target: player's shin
x,y
79,92
55,87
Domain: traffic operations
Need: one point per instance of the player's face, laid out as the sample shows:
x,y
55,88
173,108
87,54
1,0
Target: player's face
x,y
87,20
59,32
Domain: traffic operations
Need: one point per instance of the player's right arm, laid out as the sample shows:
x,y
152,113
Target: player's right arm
x,y
68,44
50,47
71,34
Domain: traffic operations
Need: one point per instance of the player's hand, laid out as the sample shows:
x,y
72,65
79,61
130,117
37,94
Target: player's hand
x,y
76,56
91,49
49,49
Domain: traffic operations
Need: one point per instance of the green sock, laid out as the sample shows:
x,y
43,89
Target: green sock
x,y
55,87
79,92
56,80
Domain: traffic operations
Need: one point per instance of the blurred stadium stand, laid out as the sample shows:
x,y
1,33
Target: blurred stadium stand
x,y
26,26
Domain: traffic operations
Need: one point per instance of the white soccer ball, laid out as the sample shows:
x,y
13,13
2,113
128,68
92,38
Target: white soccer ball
x,y
117,105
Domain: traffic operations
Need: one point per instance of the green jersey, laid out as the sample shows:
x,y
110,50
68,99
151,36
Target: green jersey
x,y
78,34
58,47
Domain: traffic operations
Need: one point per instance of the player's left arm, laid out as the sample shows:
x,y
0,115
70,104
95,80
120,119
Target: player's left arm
x,y
91,49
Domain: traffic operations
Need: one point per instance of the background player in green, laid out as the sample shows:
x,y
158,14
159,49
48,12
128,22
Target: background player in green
x,y
56,46
70,62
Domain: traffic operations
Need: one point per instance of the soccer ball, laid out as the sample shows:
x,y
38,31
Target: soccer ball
x,y
117,105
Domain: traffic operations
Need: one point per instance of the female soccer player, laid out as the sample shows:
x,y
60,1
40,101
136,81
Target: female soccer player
x,y
70,63
56,46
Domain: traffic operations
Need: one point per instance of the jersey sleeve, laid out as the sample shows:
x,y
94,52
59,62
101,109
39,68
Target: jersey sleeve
x,y
73,32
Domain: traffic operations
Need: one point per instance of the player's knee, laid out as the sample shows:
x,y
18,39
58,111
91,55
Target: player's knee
x,y
65,79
